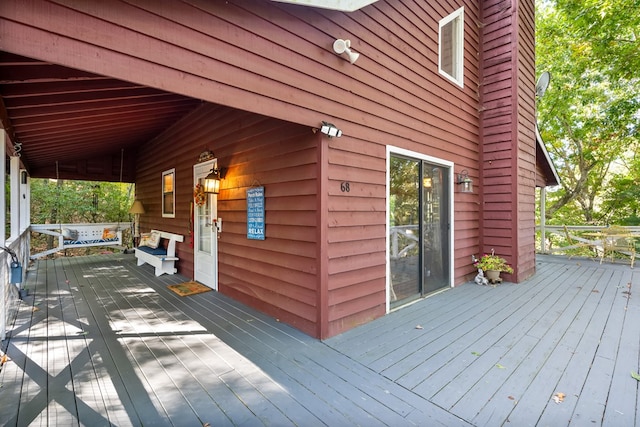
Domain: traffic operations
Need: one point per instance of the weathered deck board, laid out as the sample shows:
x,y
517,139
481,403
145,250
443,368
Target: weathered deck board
x,y
623,396
496,365
515,357
104,342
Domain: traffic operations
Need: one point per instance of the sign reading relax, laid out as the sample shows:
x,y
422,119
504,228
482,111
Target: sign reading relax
x,y
255,213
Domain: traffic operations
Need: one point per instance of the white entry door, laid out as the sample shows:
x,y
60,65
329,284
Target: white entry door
x,y
205,232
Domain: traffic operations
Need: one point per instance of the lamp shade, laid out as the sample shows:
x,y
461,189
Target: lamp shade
x,y
137,207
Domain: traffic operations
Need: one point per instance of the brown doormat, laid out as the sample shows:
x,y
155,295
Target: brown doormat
x,y
189,288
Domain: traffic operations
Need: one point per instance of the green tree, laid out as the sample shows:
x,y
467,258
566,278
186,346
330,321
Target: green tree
x,y
589,115
79,201
621,201
609,30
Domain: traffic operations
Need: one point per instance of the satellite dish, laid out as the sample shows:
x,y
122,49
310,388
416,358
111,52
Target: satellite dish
x,y
542,84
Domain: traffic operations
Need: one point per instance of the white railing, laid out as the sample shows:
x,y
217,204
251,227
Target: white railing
x,y
11,291
403,238
577,233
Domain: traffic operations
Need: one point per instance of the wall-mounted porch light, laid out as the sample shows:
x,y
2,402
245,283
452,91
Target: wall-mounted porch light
x,y
212,181
465,182
330,130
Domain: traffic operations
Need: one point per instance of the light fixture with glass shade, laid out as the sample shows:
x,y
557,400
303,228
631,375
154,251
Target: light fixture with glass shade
x,y
465,181
212,181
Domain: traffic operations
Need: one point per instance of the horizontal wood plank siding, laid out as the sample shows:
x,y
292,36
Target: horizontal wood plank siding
x,y
269,58
277,275
499,177
508,133
263,59
526,151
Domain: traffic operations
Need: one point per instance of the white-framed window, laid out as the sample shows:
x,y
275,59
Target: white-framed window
x,y
451,47
168,194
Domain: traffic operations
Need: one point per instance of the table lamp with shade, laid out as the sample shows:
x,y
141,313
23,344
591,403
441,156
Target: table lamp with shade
x,y
137,208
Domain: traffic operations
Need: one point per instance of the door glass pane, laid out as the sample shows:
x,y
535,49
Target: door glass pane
x,y
404,238
435,225
203,222
418,229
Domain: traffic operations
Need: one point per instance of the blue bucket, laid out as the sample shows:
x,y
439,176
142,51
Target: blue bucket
x,y
16,273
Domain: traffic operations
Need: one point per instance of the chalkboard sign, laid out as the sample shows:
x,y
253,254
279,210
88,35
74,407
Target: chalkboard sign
x,y
255,213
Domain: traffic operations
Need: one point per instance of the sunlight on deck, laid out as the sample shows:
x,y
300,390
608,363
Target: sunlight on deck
x,y
93,348
92,351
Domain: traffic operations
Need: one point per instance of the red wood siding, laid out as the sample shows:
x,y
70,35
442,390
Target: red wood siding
x,y
356,234
497,129
322,267
280,274
526,149
508,133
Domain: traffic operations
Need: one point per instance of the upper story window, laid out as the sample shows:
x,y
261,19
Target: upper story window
x,y
451,47
168,194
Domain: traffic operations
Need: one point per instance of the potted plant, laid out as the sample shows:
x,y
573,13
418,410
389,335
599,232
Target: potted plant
x,y
493,265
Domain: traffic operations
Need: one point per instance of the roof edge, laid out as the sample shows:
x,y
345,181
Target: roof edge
x,y
340,5
549,166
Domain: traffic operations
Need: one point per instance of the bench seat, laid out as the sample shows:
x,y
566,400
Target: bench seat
x,y
162,258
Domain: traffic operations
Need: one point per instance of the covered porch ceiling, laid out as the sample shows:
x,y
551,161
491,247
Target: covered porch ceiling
x,y
77,125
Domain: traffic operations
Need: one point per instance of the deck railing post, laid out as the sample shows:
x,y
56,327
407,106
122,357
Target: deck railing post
x,y
543,222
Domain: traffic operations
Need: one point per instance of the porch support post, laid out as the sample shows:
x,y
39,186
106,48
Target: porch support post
x,y
543,220
3,199
15,197
4,297
25,201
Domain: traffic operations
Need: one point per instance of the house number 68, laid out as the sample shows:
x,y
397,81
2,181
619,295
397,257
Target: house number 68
x,y
344,187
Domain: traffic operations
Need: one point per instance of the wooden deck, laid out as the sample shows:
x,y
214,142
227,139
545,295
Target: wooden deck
x,y
103,342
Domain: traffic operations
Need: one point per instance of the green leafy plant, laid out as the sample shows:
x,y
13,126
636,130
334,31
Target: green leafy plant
x,y
492,262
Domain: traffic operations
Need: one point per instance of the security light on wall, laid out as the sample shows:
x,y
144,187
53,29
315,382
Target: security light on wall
x,y
344,46
330,130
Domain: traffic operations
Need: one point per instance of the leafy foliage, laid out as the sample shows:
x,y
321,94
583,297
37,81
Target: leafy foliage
x,y
62,202
79,201
590,115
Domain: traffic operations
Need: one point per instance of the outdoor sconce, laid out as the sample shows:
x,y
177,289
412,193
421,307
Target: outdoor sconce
x,y
465,181
344,46
330,130
212,181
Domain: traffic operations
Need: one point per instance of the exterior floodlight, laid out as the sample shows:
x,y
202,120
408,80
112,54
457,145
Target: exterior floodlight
x,y
330,130
344,46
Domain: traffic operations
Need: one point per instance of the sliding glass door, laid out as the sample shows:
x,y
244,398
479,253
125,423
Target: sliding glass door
x,y
418,228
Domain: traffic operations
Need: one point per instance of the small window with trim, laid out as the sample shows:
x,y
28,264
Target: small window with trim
x,y
168,194
451,47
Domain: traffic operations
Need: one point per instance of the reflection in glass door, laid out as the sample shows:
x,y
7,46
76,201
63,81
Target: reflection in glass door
x,y
419,229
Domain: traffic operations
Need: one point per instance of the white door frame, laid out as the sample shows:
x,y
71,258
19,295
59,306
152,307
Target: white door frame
x,y
210,276
440,162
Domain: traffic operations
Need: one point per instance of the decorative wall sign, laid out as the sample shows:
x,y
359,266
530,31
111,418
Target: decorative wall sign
x,y
255,213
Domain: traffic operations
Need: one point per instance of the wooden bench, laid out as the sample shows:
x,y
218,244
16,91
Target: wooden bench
x,y
163,257
81,235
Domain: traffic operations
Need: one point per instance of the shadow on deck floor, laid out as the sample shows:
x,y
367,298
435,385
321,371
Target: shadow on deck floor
x,y
103,342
